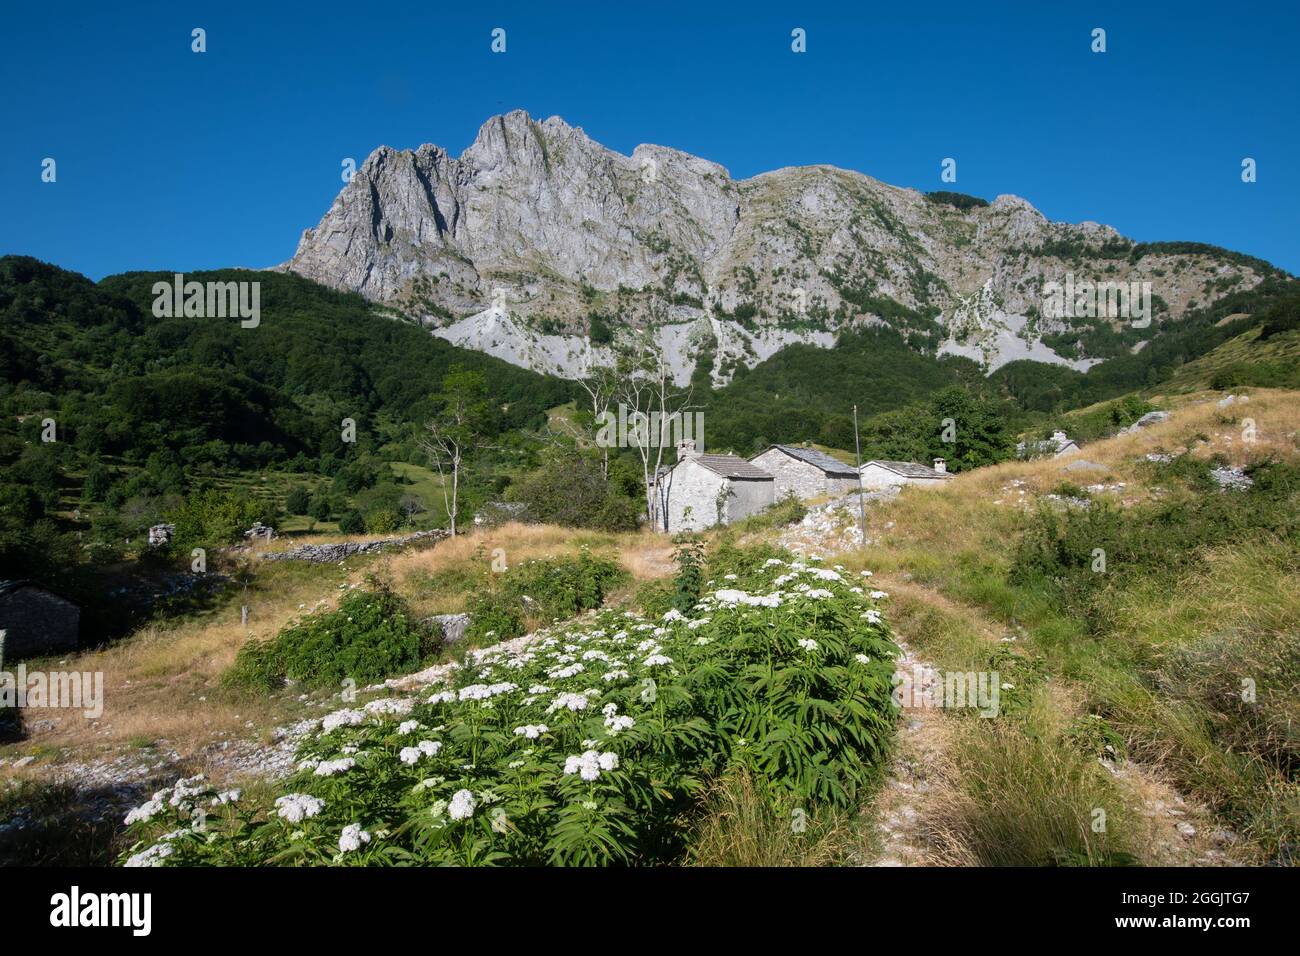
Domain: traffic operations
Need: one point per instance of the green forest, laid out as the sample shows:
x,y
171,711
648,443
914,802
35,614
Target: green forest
x,y
113,420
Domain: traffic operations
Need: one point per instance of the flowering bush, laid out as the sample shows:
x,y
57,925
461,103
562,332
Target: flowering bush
x,y
589,744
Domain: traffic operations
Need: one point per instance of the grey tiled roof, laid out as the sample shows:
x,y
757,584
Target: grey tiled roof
x,y
729,466
819,459
909,469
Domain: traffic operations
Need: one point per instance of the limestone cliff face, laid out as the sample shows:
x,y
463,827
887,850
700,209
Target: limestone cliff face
x,y
534,229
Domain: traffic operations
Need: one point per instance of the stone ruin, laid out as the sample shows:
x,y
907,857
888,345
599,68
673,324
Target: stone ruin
x,y
160,535
259,532
334,553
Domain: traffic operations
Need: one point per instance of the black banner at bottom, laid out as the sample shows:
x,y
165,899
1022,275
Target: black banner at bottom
x,y
334,905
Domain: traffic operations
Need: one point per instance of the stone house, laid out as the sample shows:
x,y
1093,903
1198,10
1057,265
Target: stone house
x,y
701,491
805,472
36,621
886,474
1056,446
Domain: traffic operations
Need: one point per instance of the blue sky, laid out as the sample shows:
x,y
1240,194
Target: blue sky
x,y
169,159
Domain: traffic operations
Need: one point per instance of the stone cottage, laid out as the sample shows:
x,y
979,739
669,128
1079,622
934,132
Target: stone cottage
x,y
1056,446
36,621
885,474
805,472
701,491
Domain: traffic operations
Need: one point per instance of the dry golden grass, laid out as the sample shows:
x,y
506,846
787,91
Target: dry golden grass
x,y
978,512
162,684
740,827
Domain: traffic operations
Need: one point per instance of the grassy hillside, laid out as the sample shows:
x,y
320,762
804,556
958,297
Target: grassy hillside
x,y
1174,662
1249,359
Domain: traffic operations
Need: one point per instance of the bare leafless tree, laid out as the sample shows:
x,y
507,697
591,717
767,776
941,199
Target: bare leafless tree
x,y
601,385
653,402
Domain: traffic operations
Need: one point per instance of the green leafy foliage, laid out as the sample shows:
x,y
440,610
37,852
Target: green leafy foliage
x,y
569,489
541,590
1060,549
214,517
960,201
592,745
369,637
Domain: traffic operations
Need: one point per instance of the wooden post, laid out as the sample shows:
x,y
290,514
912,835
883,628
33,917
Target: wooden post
x,y
862,504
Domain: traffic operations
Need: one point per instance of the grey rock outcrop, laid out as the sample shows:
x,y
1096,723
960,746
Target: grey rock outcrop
x,y
1150,418
452,626
512,246
1082,464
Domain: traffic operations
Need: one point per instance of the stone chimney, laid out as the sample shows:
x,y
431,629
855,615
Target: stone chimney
x,y
941,466
1058,436
685,449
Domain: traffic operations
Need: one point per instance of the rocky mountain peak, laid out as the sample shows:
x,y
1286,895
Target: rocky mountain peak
x,y
538,220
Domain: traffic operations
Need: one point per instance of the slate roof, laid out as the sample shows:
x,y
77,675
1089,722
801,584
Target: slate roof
x,y
819,459
909,469
729,466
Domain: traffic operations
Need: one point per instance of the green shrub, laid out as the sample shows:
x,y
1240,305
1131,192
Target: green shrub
x,y
370,637
354,522
789,510
548,590
571,490
298,502
1061,549
383,521
215,517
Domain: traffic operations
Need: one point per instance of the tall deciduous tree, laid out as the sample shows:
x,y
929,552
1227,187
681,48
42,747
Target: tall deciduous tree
x,y
455,431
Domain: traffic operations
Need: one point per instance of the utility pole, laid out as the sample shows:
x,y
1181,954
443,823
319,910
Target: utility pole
x,y
862,503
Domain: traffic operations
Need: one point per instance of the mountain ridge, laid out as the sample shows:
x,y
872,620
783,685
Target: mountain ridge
x,y
537,234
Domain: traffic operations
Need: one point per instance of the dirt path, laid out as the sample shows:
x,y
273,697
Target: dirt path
x,y
906,815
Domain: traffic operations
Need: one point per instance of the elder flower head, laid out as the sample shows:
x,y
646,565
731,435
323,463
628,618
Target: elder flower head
x,y
590,763
462,805
328,768
352,838
294,807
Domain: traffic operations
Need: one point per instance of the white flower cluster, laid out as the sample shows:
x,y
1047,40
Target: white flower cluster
x,y
532,731
352,838
486,691
295,807
590,763
462,805
341,718
180,796
574,702
390,706
733,597
328,768
425,748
